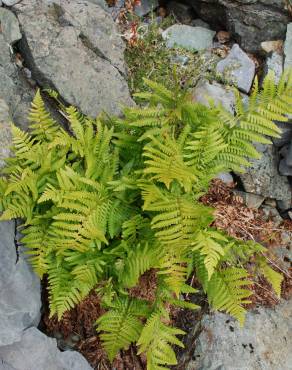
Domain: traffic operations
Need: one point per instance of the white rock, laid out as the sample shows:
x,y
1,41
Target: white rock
x,y
36,351
288,47
10,2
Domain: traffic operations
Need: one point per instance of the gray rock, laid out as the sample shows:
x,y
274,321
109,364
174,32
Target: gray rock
x,y
101,3
19,289
284,168
226,177
36,351
264,343
187,37
218,93
184,13
5,134
288,46
249,21
145,7
274,62
270,213
9,26
263,178
10,2
67,58
237,67
286,135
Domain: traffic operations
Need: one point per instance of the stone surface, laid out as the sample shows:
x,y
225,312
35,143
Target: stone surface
x,y
218,93
237,67
5,134
288,47
274,63
145,7
249,21
187,37
200,23
9,26
63,50
10,2
19,289
286,135
262,177
226,177
271,213
36,351
284,168
264,343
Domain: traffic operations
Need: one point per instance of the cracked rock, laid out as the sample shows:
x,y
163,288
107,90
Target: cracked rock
x,y
9,26
72,47
36,351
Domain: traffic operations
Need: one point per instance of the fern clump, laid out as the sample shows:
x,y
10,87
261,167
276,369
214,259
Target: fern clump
x,y
117,198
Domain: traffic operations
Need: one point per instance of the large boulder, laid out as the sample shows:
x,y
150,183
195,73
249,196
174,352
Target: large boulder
x,y
264,343
74,48
36,351
250,21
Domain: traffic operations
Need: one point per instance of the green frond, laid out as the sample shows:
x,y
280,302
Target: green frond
x,y
156,340
273,277
120,326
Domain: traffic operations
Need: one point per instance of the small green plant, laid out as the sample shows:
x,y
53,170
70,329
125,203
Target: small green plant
x,y
118,198
150,58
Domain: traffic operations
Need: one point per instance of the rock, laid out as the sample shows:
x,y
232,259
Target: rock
x,y
36,351
288,47
220,95
226,177
5,133
9,26
274,62
286,135
187,37
101,3
184,13
238,67
249,199
283,206
284,168
289,154
262,177
145,6
270,213
10,2
77,53
272,46
250,21
200,23
19,289
264,343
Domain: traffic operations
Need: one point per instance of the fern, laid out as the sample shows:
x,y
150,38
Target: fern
x,y
112,200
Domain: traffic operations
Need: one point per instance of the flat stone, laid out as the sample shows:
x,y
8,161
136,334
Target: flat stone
x,y
145,6
284,168
200,23
262,177
226,177
238,68
66,57
218,93
36,351
5,134
19,289
288,47
250,200
187,37
9,26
